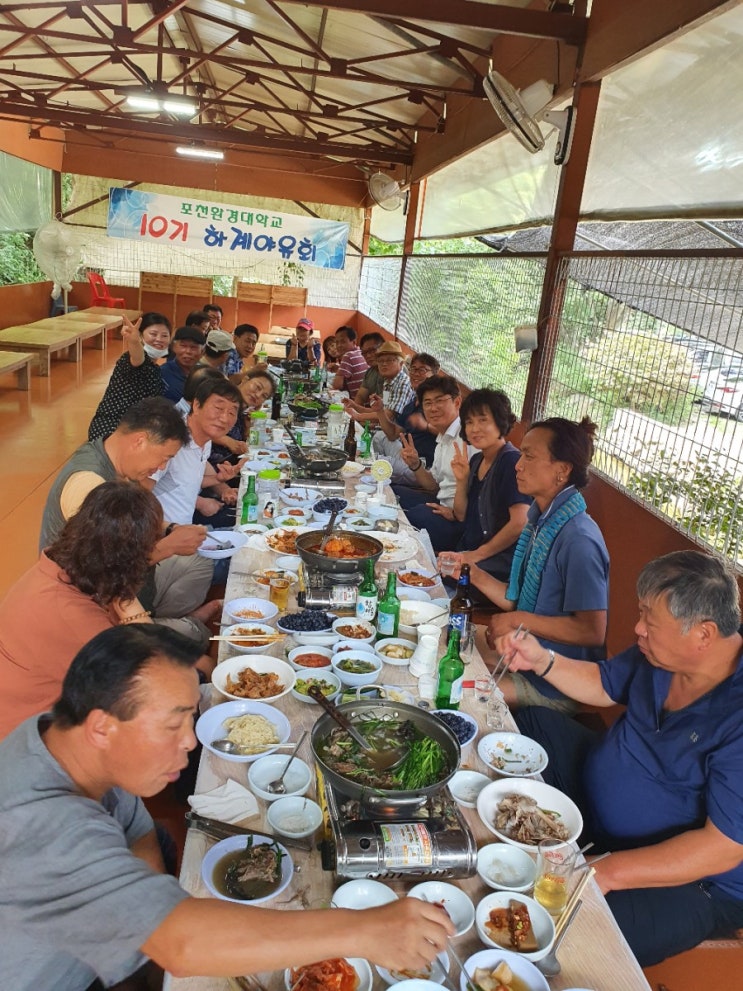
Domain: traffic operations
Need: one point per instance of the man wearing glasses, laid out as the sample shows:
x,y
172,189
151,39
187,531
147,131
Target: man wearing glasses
x,y
440,401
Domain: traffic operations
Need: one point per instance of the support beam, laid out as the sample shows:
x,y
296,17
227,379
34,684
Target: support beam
x,y
491,17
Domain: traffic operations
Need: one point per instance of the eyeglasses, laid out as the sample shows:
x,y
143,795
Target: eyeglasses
x,y
368,351
436,403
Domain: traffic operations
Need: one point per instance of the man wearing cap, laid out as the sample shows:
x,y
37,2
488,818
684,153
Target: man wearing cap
x,y
218,345
187,347
397,391
353,366
301,347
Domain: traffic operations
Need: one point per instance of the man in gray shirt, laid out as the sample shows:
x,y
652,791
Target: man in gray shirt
x,y
82,889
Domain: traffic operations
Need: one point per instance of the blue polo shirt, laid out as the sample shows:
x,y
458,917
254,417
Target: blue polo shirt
x,y
174,379
656,774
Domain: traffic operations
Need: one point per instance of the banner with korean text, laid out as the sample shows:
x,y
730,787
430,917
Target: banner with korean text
x,y
192,223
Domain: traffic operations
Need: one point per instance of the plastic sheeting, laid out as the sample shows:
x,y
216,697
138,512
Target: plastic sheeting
x,y
668,143
25,194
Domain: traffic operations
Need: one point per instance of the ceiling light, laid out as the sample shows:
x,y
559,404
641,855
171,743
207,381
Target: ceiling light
x,y
193,151
168,104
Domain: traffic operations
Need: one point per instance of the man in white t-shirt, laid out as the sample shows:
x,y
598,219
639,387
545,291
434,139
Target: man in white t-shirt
x,y
440,401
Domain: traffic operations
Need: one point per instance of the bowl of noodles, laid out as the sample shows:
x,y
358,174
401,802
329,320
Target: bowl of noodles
x,y
250,724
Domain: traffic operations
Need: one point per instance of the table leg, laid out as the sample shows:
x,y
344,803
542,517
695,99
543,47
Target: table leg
x,y
24,375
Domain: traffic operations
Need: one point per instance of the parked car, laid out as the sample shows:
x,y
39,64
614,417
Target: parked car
x,y
723,392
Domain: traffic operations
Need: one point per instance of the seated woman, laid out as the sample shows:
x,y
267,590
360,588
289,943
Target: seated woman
x,y
136,374
85,582
330,354
559,582
488,511
410,420
256,387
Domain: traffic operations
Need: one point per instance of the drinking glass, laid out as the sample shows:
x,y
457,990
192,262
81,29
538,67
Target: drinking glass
x,y
498,716
278,592
447,564
483,688
555,863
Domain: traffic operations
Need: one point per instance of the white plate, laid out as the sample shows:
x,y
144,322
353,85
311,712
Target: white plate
x,y
351,469
232,537
531,978
456,903
397,546
265,540
210,726
261,664
361,966
362,893
426,572
249,528
299,495
436,971
512,755
232,843
545,796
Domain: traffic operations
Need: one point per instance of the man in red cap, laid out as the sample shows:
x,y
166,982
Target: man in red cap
x,y
301,346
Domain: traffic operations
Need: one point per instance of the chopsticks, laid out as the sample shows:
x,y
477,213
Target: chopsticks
x,y
565,919
469,983
501,665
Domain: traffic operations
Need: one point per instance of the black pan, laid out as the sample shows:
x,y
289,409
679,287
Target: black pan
x,y
308,543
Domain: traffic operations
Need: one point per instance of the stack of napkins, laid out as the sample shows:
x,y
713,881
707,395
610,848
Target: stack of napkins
x,y
231,802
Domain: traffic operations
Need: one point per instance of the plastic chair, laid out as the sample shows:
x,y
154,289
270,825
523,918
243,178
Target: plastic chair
x,y
100,296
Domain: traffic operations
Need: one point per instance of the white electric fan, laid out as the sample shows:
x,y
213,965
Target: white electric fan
x,y
57,256
385,191
522,112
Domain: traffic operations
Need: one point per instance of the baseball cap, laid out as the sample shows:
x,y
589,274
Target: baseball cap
x,y
306,322
189,334
219,340
390,347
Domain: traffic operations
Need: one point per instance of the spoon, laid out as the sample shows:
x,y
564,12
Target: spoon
x,y
383,760
238,749
277,786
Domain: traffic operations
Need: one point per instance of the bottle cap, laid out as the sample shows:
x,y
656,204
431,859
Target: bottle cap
x,y
270,474
336,408
258,414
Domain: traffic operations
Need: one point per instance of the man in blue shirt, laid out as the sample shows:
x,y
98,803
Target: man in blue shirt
x,y
662,788
187,347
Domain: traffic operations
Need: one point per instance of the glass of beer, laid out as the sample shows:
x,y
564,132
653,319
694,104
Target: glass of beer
x,y
555,863
278,592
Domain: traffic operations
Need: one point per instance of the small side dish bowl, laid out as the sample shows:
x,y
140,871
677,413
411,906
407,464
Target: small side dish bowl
x,y
435,972
465,786
542,923
250,608
395,650
505,867
348,627
362,893
294,817
242,633
304,658
457,905
260,664
347,666
530,979
297,780
328,683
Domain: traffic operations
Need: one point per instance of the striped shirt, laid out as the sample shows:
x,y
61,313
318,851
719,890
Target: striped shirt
x,y
353,367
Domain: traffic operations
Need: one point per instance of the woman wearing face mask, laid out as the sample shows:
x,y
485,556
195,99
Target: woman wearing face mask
x,y
136,374
256,387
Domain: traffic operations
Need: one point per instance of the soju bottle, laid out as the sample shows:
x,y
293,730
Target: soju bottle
x,y
249,512
365,446
367,596
460,610
388,610
451,675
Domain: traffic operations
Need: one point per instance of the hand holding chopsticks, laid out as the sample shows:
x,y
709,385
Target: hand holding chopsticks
x,y
501,665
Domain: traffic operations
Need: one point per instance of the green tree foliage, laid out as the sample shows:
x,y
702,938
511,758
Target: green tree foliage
x,y
17,262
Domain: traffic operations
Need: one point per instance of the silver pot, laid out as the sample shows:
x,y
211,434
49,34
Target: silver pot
x,y
387,800
338,565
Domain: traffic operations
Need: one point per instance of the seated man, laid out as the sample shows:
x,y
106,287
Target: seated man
x,y
218,347
662,788
177,486
187,348
215,314
372,382
242,358
301,346
410,420
150,433
353,367
84,894
396,392
440,401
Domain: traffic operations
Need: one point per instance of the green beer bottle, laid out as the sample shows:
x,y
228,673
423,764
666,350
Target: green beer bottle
x,y
388,611
451,675
249,512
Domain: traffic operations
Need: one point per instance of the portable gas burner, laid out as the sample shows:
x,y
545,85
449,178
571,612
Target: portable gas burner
x,y
328,591
431,841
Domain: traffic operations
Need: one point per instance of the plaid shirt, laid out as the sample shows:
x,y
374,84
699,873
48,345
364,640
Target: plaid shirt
x,y
398,392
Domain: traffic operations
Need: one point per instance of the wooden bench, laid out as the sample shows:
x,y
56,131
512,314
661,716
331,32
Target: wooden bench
x,y
84,327
110,311
43,343
12,361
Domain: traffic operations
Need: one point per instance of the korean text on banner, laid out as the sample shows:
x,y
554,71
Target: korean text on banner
x,y
191,223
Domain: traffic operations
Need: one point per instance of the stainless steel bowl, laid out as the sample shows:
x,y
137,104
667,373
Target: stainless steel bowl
x,y
383,800
372,547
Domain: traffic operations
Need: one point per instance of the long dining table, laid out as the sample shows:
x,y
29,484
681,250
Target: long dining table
x,y
593,955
